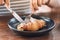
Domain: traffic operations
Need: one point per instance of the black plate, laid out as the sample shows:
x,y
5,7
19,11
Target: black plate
x,y
49,26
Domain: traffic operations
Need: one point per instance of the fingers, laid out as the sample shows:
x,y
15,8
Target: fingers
x,y
45,1
7,3
40,2
34,3
1,2
31,4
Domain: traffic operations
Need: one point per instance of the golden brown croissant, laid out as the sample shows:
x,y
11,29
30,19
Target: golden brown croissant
x,y
33,25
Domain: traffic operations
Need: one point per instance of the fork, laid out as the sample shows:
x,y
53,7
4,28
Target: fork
x,y
14,14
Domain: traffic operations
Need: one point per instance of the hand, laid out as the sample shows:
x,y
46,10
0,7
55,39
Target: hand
x,y
6,2
35,4
1,2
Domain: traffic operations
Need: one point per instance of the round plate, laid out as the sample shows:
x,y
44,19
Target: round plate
x,y
12,24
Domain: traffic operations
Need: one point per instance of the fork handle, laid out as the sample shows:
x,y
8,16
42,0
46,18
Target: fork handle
x,y
14,14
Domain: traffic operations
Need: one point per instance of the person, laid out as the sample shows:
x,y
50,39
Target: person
x,y
37,3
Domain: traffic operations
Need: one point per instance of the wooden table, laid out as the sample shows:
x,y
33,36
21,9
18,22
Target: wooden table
x,y
7,34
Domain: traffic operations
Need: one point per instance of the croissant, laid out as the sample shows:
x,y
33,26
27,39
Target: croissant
x,y
33,25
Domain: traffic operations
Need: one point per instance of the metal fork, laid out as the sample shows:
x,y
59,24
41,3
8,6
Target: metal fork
x,y
14,14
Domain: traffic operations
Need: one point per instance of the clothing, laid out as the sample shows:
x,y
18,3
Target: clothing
x,y
19,6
